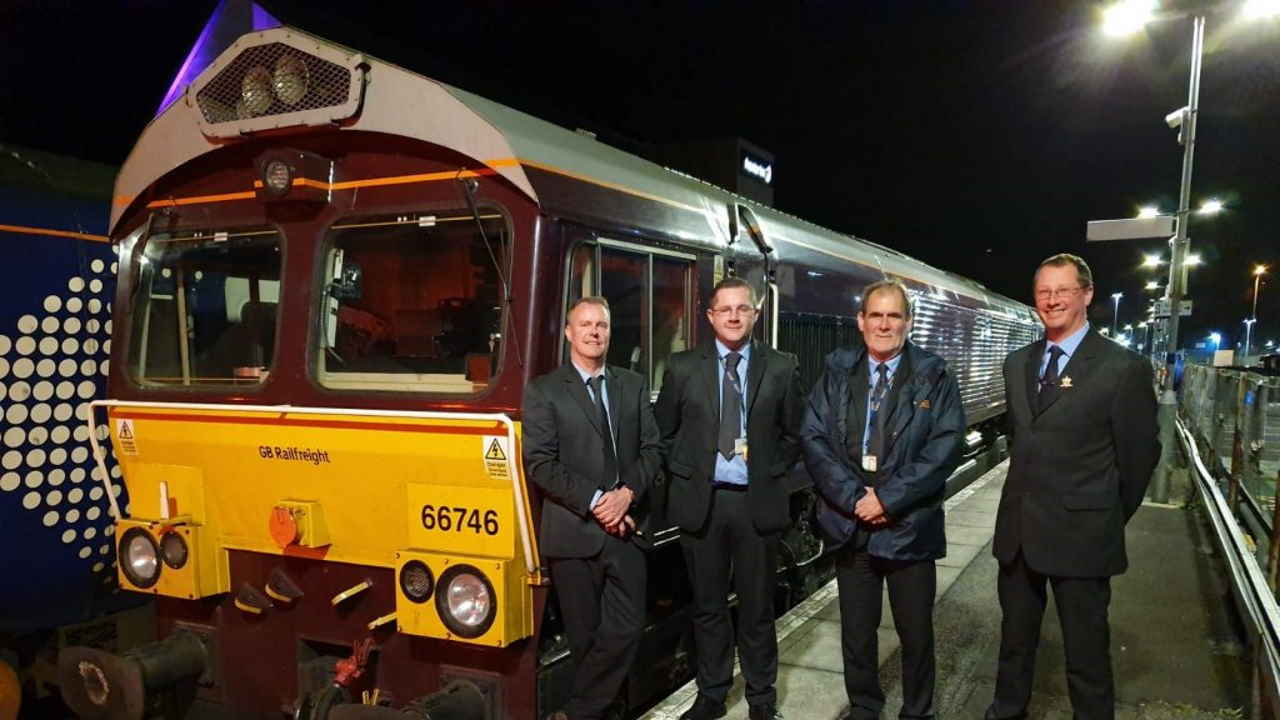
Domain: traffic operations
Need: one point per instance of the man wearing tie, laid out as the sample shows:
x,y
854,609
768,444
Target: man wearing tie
x,y
728,413
592,447
881,435
1082,446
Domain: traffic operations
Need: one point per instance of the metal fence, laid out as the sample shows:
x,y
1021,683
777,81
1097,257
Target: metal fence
x,y
1235,415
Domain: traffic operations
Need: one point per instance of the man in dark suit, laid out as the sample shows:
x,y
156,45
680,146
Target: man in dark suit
x,y
881,435
591,445
1083,444
728,412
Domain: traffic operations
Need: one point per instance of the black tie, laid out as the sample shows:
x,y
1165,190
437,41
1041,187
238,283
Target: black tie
x,y
875,441
730,407
1049,381
610,475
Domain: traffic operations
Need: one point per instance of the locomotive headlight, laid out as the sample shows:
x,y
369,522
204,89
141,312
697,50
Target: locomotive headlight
x,y
466,601
140,558
277,177
290,79
255,93
173,549
416,581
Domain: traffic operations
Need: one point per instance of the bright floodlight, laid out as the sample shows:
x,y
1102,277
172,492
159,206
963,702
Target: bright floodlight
x,y
1193,259
1149,211
1150,261
1210,207
1153,285
1127,17
1216,338
1116,296
1259,9
1260,270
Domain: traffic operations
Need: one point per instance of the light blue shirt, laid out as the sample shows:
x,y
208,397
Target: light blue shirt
x,y
1069,345
604,394
872,377
735,470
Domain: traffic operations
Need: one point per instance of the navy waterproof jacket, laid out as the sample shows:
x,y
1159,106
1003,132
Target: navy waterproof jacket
x,y
924,434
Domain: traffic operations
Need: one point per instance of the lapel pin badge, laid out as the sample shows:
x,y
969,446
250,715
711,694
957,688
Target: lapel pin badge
x,y
1065,382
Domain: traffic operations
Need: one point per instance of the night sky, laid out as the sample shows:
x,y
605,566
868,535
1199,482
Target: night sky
x,y
977,136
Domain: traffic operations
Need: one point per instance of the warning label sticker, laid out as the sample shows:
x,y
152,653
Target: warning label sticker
x,y
125,437
497,457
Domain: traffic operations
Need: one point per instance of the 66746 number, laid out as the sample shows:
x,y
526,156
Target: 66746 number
x,y
459,519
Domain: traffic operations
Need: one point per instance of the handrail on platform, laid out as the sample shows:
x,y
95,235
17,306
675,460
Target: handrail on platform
x,y
1253,593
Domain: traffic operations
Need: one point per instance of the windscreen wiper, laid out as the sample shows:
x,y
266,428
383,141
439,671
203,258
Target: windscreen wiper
x,y
469,187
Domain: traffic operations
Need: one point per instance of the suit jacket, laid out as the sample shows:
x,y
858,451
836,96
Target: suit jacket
x,y
1079,468
564,452
688,414
923,438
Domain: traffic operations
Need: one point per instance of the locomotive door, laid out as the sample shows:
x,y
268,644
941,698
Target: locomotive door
x,y
751,258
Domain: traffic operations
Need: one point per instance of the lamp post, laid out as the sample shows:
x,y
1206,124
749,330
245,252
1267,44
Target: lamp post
x,y
1248,333
1115,320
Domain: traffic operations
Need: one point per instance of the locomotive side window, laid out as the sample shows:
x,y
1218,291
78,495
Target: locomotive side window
x,y
649,292
413,303
204,309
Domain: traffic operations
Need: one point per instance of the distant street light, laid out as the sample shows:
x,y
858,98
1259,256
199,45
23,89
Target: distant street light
x,y
1258,272
1115,321
1260,9
1248,333
1210,207
1152,261
1152,285
1217,340
1193,259
1127,17
1149,211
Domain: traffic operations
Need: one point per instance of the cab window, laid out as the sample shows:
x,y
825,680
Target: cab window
x,y
204,307
413,303
650,295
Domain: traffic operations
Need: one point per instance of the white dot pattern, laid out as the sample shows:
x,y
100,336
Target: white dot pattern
x,y
53,361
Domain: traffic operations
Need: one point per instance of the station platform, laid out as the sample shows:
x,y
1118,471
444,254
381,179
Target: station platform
x,y
1176,648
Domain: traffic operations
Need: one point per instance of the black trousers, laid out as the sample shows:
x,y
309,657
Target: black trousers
x,y
912,584
1082,609
602,603
729,547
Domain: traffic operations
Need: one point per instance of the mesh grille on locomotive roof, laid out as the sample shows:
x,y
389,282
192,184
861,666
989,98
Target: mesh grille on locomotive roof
x,y
273,79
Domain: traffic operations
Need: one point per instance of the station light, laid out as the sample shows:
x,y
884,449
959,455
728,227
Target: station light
x,y
1152,261
1210,207
1260,9
1127,17
1149,211
1193,259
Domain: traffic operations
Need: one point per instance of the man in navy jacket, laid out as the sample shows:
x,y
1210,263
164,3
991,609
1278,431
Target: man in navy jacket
x,y
881,435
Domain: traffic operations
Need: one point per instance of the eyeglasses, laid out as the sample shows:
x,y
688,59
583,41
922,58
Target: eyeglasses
x,y
1066,293
725,310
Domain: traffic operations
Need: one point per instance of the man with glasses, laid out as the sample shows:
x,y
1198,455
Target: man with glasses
x,y
1082,445
728,413
881,435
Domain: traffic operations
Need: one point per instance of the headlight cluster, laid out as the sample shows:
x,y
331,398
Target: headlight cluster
x,y
288,83
464,597
141,556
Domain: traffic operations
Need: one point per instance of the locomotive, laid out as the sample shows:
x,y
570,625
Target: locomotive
x,y
335,278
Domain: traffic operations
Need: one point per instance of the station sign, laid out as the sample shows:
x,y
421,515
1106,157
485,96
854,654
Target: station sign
x,y
1162,308
756,167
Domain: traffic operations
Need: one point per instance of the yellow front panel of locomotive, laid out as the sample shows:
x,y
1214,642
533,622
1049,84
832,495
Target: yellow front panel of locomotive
x,y
512,600
359,470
